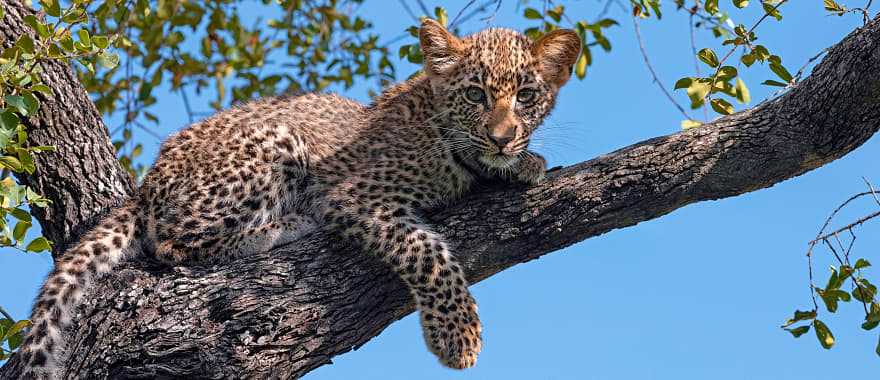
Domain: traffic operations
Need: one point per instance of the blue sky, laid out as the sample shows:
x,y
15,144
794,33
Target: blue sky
x,y
697,294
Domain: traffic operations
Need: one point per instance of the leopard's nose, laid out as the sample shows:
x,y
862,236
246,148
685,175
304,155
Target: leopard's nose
x,y
501,141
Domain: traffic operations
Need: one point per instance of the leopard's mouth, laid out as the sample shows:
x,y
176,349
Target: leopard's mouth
x,y
499,160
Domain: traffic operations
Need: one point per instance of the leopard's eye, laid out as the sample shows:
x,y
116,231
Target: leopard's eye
x,y
526,96
475,95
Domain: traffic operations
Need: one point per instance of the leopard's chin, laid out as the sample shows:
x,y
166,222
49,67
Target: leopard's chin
x,y
499,161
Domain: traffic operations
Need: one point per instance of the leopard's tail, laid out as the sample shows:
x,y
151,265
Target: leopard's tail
x,y
97,252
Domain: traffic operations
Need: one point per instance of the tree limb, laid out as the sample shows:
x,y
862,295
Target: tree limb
x,y
288,311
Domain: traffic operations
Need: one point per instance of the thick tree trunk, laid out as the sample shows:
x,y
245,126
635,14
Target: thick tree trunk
x,y
83,179
288,311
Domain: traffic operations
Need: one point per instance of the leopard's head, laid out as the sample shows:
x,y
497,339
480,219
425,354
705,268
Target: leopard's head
x,y
492,89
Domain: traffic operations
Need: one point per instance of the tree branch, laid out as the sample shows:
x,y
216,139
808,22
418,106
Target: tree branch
x,y
288,311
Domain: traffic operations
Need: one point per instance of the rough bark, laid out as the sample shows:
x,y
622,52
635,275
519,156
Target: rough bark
x,y
285,312
84,179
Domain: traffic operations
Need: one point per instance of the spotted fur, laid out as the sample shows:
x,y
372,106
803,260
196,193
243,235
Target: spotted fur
x,y
265,173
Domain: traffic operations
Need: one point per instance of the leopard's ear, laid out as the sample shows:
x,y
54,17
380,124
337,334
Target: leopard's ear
x,y
441,49
556,52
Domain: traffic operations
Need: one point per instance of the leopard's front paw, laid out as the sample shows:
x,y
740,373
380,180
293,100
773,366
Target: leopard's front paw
x,y
453,333
532,169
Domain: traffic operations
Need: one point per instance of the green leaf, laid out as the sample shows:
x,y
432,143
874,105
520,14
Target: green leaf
x,y
8,120
11,163
39,244
25,43
781,72
865,292
721,106
708,57
826,339
771,82
740,3
800,316
697,92
832,6
711,6
742,92
30,102
84,38
726,73
797,332
532,13
20,230
580,68
772,11
830,297
42,88
21,214
17,101
101,42
27,160
683,83
862,263
16,328
688,124
442,17
52,7
108,60
41,28
877,350
834,281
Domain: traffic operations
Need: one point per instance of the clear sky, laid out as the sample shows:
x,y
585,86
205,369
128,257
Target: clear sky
x,y
697,294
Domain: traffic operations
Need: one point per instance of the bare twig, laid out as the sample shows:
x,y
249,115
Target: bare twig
x,y
460,11
5,314
697,61
408,10
871,189
653,73
851,225
423,7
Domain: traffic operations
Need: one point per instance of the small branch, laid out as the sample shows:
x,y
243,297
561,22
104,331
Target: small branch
x,y
871,189
460,11
5,314
653,73
409,11
735,47
849,226
697,61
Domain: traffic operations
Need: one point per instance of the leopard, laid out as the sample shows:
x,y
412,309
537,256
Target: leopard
x,y
267,172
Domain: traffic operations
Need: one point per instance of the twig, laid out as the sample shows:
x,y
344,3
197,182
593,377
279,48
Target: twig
x,y
871,189
424,8
735,47
653,73
460,11
409,10
5,314
697,61
851,225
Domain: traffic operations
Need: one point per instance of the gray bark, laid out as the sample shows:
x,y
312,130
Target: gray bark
x,y
286,312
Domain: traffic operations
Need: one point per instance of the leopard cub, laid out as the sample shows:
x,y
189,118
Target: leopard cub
x,y
264,173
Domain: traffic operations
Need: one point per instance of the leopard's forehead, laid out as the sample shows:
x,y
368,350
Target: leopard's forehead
x,y
502,57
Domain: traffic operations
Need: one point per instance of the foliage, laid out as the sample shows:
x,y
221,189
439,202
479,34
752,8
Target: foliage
x,y
58,35
191,46
11,334
128,50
